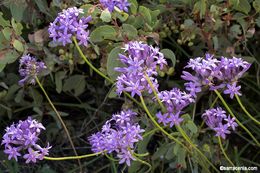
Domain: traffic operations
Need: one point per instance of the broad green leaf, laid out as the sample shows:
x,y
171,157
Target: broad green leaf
x,y
256,5
102,33
192,127
59,76
18,45
2,66
161,151
133,6
113,61
3,22
243,6
42,5
169,55
145,12
75,84
200,7
130,31
18,27
105,16
7,33
17,10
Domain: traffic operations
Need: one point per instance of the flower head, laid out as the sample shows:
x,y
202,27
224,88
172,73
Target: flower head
x,y
119,134
175,101
215,118
140,62
111,4
29,68
24,136
69,23
215,74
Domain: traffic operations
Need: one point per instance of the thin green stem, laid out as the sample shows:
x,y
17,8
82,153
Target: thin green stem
x,y
155,92
145,163
223,151
111,158
141,155
72,157
244,109
99,72
59,117
232,114
186,137
159,127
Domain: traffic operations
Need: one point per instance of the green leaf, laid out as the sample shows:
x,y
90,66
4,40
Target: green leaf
x,y
200,7
18,45
105,16
145,12
59,76
256,5
133,6
42,5
75,84
161,151
169,55
192,127
130,31
7,33
3,22
101,33
243,6
18,27
112,62
17,10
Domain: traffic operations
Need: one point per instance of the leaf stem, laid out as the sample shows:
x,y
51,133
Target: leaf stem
x,y
232,114
244,109
72,157
60,119
223,151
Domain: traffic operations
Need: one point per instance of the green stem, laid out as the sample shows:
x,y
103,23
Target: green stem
x,y
99,72
144,162
223,151
155,92
141,155
71,157
159,127
190,142
244,109
111,158
232,114
59,117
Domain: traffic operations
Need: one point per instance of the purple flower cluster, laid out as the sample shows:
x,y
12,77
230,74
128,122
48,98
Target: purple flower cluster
x,y
215,73
111,4
218,121
67,24
118,134
174,100
140,60
29,68
24,136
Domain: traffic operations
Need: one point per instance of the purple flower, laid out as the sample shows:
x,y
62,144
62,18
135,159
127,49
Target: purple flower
x,y
140,60
213,73
232,90
222,130
119,134
68,24
231,122
111,4
175,101
24,136
13,152
215,119
29,68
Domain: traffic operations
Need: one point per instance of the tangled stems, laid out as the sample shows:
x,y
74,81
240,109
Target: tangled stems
x,y
232,114
143,162
59,117
72,157
178,127
244,109
99,72
223,151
